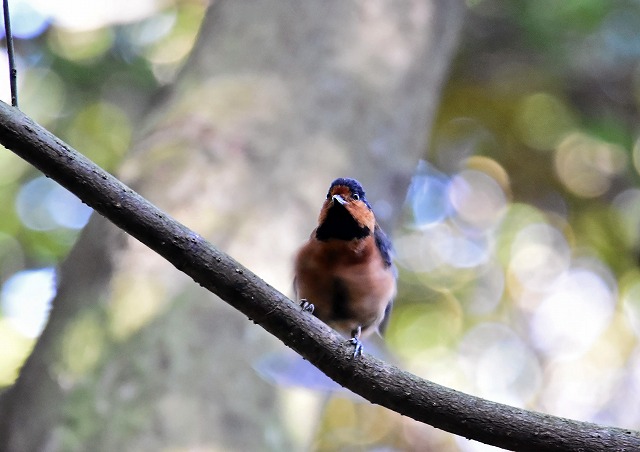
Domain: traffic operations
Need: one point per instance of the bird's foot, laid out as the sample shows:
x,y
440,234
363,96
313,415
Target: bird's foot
x,y
356,342
306,306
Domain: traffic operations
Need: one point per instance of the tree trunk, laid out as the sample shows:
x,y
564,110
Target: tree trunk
x,y
277,99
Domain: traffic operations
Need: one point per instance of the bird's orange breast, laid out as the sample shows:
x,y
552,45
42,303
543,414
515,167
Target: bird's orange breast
x,y
347,281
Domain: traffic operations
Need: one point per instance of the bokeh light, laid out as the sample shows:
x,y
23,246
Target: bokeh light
x,y
26,21
81,47
485,294
501,365
543,120
473,253
574,313
592,385
43,205
428,195
81,15
587,165
86,81
539,254
477,199
627,209
26,298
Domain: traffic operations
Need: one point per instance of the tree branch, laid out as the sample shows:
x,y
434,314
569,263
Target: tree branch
x,y
376,381
13,72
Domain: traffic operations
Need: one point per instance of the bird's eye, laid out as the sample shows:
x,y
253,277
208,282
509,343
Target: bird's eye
x,y
328,195
355,196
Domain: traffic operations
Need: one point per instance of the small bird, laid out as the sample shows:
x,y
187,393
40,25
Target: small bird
x,y
344,274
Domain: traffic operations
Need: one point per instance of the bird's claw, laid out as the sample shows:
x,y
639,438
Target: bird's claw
x,y
306,306
356,342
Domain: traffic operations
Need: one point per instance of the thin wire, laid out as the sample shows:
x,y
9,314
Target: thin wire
x,y
13,72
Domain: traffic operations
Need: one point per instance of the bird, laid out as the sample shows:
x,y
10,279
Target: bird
x,y
344,274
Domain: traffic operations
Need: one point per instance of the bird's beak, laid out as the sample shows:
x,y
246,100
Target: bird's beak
x,y
339,199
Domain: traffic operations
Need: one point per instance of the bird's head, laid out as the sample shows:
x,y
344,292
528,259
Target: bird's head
x,y
345,214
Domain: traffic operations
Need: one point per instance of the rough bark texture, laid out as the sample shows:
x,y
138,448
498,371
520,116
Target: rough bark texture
x,y
278,98
473,417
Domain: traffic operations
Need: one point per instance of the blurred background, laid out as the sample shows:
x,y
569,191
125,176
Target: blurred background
x,y
517,241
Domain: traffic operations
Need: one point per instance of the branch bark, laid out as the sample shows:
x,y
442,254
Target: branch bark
x,y
376,381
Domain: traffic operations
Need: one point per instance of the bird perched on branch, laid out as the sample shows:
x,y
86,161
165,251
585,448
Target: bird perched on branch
x,y
344,273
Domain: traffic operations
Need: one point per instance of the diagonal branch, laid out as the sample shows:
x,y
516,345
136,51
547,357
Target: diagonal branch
x,y
376,381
